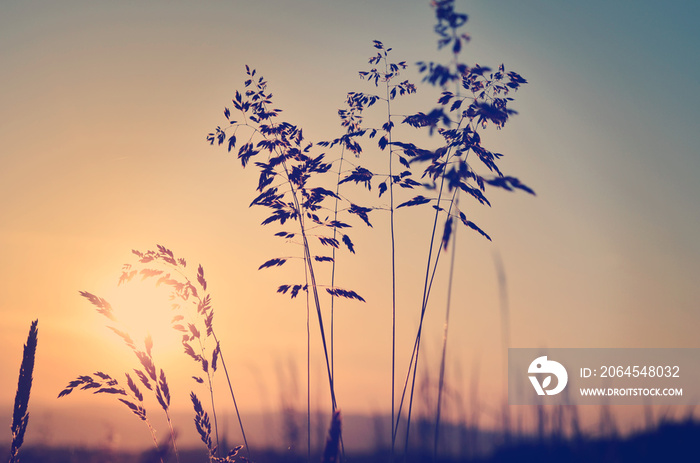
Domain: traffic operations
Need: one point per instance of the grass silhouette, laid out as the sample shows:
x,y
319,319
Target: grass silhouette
x,y
292,185
194,321
473,98
20,414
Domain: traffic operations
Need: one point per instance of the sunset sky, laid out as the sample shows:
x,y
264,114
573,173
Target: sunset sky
x,y
104,112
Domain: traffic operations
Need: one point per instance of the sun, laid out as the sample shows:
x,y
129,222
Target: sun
x,y
141,309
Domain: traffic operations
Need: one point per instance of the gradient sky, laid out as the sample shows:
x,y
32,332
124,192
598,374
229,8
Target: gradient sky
x,y
104,110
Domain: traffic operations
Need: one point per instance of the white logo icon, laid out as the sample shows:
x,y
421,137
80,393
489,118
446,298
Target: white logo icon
x,y
542,365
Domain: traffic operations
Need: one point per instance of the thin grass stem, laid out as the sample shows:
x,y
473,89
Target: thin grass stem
x,y
308,366
233,397
429,277
172,436
393,260
228,380
155,440
314,288
441,380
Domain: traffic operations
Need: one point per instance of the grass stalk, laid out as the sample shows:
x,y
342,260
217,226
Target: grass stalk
x,y
449,290
301,213
393,258
155,441
20,414
172,436
314,287
441,381
221,358
429,278
317,302
211,392
228,381
428,284
308,365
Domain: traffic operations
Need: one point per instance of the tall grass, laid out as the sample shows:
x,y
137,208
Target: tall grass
x,y
20,413
191,292
443,357
290,175
351,120
303,196
291,186
150,377
194,321
473,98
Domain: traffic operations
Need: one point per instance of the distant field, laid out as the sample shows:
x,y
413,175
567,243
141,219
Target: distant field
x,y
676,442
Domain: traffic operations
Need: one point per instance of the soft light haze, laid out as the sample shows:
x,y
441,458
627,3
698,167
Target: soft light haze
x,y
104,110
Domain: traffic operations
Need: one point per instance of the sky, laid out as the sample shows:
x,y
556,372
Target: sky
x,y
104,112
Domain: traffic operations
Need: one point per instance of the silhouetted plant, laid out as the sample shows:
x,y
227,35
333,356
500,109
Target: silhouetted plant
x,y
195,315
473,97
330,451
351,120
201,421
290,187
196,327
149,375
194,319
20,413
293,183
480,98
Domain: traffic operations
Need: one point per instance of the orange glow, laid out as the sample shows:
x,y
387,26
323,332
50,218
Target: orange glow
x,y
141,309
